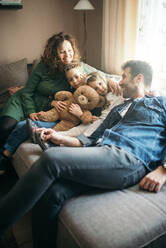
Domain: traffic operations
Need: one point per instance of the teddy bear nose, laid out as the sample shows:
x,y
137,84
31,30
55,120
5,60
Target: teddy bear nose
x,y
82,99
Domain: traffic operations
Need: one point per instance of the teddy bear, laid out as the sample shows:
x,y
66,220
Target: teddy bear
x,y
85,96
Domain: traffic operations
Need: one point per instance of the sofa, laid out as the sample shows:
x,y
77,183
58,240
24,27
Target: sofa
x,y
129,218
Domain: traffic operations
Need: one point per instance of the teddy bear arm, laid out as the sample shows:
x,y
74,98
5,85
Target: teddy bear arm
x,y
50,115
65,125
86,117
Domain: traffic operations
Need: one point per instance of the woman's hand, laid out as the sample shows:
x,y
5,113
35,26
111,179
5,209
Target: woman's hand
x,y
34,116
75,110
154,180
13,90
114,87
59,105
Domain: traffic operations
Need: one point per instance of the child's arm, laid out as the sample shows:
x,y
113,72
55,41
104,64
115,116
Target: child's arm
x,y
94,118
114,87
76,110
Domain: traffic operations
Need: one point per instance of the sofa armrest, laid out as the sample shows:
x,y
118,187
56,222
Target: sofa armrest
x,y
25,156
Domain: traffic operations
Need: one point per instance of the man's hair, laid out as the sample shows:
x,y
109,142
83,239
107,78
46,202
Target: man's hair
x,y
73,65
94,76
140,67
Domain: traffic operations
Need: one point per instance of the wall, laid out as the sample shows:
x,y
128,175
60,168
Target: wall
x,y
24,32
94,32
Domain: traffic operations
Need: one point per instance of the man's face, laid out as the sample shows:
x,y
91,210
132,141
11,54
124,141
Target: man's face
x,y
76,77
129,86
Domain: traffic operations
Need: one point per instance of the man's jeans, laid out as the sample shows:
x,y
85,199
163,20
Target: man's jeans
x,y
20,134
59,174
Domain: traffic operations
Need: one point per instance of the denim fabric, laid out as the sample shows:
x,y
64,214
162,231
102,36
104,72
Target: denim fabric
x,y
20,134
106,167
48,208
141,132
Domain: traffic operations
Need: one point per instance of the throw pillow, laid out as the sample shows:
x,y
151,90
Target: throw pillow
x,y
12,75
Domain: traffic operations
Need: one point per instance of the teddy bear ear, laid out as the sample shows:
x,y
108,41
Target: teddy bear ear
x,y
63,95
101,102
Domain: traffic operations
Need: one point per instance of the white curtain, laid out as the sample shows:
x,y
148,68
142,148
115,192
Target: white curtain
x,y
151,42
119,35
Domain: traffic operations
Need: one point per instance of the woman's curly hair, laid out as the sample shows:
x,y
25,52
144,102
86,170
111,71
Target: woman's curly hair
x,y
50,56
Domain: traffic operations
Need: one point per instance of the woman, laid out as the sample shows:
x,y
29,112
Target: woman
x,y
47,78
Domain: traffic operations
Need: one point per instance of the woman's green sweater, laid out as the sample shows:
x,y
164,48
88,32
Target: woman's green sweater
x,y
37,94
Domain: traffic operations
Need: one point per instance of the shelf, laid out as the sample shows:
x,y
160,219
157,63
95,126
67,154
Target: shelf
x,y
14,6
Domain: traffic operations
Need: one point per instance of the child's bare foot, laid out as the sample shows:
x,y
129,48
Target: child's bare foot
x,y
7,154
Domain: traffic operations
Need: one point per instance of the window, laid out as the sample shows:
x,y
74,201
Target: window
x,y
151,40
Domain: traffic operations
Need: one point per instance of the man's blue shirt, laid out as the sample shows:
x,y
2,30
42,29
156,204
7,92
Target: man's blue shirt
x,y
142,131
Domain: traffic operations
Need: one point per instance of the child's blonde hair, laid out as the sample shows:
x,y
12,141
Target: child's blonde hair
x,y
95,76
73,65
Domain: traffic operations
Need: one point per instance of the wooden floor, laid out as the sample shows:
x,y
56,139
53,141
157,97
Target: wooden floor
x,y
7,181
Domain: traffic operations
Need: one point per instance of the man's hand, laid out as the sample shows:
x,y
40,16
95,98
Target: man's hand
x,y
50,134
152,93
57,138
154,180
75,110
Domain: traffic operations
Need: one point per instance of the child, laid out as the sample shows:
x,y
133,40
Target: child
x,y
104,87
76,77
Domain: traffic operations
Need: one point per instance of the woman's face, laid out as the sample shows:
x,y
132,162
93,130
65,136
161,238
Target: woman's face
x,y
65,52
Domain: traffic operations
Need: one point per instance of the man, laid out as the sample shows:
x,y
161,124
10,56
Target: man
x,y
126,146
152,181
